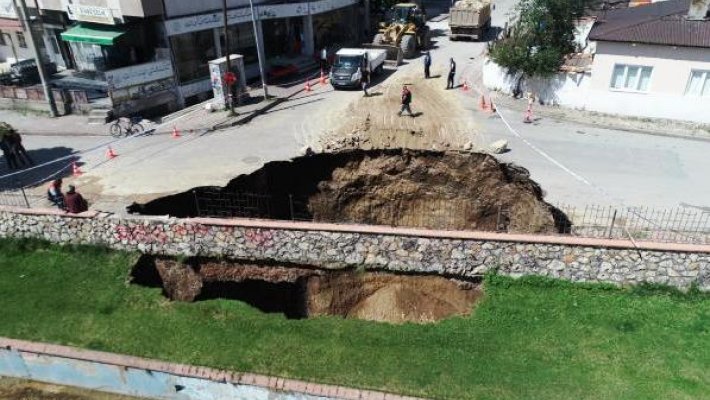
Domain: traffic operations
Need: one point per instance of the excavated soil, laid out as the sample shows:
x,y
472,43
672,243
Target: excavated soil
x,y
300,292
438,190
440,121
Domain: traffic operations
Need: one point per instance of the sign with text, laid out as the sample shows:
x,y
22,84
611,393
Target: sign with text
x,y
196,23
138,74
99,15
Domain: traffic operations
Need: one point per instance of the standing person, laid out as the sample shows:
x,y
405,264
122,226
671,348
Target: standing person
x,y
406,100
10,157
427,65
74,202
54,193
365,81
18,149
452,74
324,59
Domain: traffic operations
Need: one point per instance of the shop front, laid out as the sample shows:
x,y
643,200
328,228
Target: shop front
x,y
284,31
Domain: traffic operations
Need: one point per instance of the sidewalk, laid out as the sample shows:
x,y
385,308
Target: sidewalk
x,y
652,126
194,119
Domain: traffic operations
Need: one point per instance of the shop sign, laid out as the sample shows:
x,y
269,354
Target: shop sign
x,y
99,15
7,9
138,74
196,23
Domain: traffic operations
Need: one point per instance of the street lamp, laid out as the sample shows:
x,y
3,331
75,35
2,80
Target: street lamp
x,y
258,51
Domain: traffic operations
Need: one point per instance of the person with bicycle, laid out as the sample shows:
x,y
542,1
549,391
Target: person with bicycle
x,y
131,127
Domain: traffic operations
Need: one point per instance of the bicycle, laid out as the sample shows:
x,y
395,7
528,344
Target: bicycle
x,y
126,126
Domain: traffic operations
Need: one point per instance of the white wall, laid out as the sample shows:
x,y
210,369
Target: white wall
x,y
665,98
563,89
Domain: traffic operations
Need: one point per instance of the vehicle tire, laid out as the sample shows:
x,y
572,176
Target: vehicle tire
x,y
116,130
137,129
379,39
408,46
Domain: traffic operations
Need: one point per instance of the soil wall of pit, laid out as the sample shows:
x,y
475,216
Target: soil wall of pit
x,y
303,292
437,190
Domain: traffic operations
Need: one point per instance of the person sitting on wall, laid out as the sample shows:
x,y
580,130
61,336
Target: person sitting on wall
x,y
54,193
74,201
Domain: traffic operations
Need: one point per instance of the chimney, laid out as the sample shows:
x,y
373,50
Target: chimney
x,y
699,9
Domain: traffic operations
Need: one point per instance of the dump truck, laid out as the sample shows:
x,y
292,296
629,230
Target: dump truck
x,y
469,19
349,63
405,28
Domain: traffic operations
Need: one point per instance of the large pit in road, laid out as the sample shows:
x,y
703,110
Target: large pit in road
x,y
437,190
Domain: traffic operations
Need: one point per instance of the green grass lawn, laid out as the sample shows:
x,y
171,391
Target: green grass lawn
x,y
529,339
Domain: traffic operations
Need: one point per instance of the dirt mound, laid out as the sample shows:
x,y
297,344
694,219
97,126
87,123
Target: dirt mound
x,y
438,190
390,298
441,122
307,292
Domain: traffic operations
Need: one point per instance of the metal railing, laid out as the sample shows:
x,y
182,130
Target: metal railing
x,y
14,198
676,225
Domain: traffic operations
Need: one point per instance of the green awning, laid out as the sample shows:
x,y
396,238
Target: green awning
x,y
95,34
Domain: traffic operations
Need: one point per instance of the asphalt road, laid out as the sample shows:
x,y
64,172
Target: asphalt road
x,y
575,164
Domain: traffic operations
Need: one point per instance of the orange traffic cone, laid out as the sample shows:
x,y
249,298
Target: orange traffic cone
x,y
528,116
75,171
482,103
322,78
110,153
176,132
465,86
308,86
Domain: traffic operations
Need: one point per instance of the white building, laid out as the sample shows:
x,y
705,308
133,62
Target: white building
x,y
648,61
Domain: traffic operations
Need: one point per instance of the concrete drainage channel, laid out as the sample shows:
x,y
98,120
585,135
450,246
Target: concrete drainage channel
x,y
301,292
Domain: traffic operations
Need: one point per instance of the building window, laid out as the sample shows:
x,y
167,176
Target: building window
x,y
699,84
2,39
631,77
21,40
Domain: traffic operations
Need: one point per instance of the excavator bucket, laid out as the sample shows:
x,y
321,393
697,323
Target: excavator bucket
x,y
394,53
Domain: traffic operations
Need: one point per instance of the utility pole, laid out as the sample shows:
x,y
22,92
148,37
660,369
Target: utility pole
x,y
230,88
258,51
38,59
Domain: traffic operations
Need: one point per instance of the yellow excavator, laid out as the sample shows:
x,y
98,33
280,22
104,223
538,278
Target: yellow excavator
x,y
405,29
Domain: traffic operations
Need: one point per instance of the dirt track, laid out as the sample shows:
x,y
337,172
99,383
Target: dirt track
x,y
372,122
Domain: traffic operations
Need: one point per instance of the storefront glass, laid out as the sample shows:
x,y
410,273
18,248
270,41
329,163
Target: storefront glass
x,y
192,52
241,41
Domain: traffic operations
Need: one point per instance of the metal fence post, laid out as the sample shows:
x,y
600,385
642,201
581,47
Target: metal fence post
x,y
290,206
24,196
498,219
197,203
611,226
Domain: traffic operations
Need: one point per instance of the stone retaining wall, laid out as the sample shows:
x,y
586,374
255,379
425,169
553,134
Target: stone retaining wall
x,y
332,246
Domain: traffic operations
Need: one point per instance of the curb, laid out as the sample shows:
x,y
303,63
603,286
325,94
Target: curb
x,y
191,371
502,100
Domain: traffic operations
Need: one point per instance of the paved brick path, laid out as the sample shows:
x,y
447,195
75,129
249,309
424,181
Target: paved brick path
x,y
239,378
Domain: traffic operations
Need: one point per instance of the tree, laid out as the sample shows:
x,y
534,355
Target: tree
x,y
540,38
